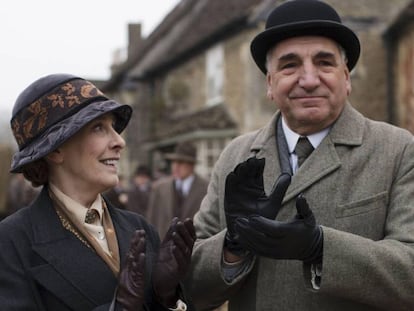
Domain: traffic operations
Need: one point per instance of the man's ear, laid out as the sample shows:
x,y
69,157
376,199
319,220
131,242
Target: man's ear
x,y
269,87
348,83
56,156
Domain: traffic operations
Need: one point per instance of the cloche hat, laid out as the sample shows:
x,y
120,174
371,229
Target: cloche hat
x,y
300,18
52,109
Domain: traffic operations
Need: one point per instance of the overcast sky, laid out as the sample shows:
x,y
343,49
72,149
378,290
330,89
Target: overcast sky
x,y
40,37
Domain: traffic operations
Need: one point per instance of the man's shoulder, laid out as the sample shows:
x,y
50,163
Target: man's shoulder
x,y
200,179
162,182
387,131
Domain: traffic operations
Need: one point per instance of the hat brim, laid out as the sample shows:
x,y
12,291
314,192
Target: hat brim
x,y
333,30
179,157
57,134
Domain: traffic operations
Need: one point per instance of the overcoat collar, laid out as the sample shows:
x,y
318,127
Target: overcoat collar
x,y
347,131
73,272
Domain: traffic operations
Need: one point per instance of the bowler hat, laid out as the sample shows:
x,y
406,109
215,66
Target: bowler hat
x,y
185,152
52,109
302,18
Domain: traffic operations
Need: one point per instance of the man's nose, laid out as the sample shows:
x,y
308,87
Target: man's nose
x,y
309,77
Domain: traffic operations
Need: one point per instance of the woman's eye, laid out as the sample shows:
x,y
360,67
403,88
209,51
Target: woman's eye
x,y
98,127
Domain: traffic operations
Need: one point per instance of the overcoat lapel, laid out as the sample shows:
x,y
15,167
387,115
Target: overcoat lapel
x,y
323,160
191,204
264,146
167,203
73,272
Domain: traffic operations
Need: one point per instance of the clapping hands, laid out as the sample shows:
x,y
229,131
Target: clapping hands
x,y
173,260
245,195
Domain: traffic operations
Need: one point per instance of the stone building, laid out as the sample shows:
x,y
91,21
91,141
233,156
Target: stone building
x,y
193,77
399,39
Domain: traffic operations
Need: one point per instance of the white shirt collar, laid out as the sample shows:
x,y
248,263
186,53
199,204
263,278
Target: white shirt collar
x,y
74,208
185,184
292,137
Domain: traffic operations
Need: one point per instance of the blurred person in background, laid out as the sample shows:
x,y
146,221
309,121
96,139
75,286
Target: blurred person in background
x,y
139,191
118,195
180,194
71,249
20,193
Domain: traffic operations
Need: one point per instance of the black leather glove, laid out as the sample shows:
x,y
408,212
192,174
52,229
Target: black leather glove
x,y
131,284
244,195
300,238
173,260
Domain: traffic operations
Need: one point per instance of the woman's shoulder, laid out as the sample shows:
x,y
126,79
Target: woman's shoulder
x,y
129,219
15,224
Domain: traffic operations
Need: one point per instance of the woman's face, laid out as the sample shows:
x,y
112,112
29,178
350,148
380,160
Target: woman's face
x,y
88,162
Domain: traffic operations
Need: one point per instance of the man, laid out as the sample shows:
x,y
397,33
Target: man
x,y
339,233
140,190
178,194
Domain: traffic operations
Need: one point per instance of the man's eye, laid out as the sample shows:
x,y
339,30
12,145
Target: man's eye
x,y
288,66
325,63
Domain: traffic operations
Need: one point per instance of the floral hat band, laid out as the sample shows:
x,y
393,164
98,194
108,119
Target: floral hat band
x,y
55,105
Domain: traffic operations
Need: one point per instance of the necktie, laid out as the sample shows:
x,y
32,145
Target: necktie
x,y
179,193
303,149
91,216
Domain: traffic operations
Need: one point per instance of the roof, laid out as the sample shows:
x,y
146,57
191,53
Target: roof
x,y
214,118
188,28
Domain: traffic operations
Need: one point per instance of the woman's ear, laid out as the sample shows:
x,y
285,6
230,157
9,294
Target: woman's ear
x,y
56,156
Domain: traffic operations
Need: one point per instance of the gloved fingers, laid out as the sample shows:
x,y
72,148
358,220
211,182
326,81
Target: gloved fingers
x,y
189,225
137,245
304,211
171,230
236,186
269,227
130,292
252,239
247,176
137,269
278,193
182,259
135,262
186,233
182,245
255,168
136,237
251,168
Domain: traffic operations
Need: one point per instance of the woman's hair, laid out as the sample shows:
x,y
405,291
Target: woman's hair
x,y
36,172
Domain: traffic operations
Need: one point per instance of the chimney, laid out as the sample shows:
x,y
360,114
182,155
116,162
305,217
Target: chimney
x,y
134,38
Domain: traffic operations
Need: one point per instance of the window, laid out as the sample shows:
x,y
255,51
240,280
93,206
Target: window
x,y
215,75
208,154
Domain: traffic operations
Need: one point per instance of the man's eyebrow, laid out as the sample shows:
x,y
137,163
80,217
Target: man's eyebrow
x,y
288,57
324,54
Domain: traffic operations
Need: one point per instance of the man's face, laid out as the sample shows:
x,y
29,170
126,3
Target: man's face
x,y
181,169
309,82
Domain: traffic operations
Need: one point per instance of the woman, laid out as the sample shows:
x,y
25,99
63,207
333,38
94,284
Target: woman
x,y
70,249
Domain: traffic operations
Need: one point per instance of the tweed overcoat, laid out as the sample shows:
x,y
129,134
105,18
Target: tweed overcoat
x,y
359,183
161,203
44,267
